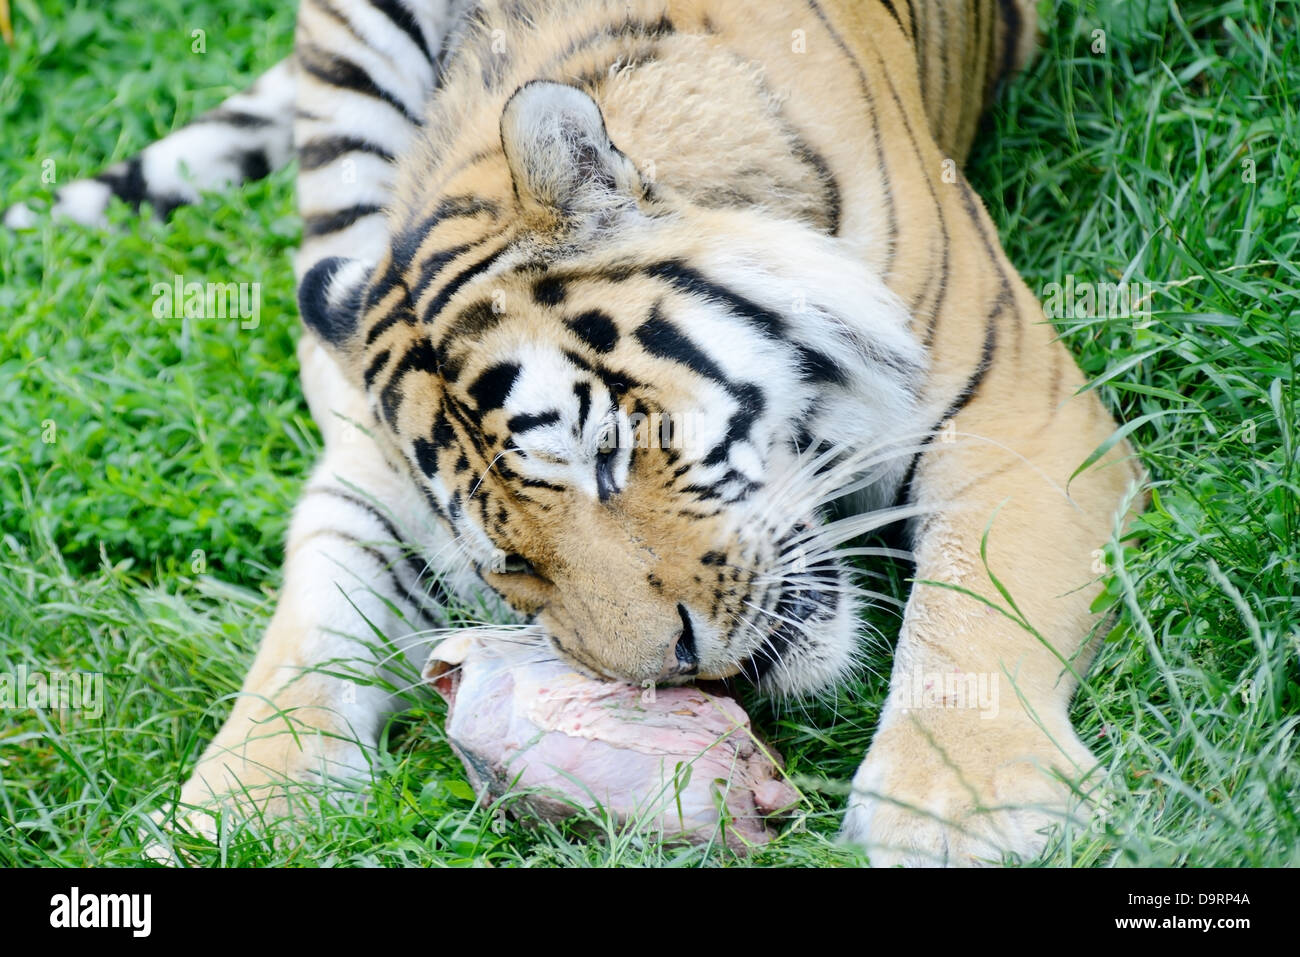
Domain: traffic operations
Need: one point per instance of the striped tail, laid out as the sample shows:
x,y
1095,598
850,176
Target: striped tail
x,y
243,139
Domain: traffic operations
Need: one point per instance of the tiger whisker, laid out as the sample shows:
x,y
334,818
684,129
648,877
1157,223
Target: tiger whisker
x,y
837,532
855,591
496,458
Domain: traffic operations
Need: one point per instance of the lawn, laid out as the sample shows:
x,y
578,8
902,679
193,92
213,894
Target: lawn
x,y
148,466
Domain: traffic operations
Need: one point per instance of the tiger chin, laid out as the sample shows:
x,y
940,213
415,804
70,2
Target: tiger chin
x,y
631,317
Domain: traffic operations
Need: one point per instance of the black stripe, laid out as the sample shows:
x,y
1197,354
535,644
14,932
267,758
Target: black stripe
x,y
526,421
967,393
328,7
993,251
127,182
334,323
891,214
945,268
910,30
490,389
418,569
321,224
236,118
691,280
394,316
398,589
615,380
988,48
435,264
613,272
539,483
326,149
127,185
343,73
628,27
456,207
1010,37
375,367
578,361
943,63
443,435
712,491
464,276
815,366
976,378
426,456
596,329
406,245
969,81
473,321
381,286
831,194
583,391
661,338
549,291
404,20
750,405
419,357
253,163
451,368
922,48
404,248
944,238
972,210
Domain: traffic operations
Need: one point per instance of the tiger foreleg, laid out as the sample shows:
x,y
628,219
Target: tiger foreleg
x,y
366,561
333,664
975,755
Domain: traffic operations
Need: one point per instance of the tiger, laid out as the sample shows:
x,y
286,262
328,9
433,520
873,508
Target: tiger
x,y
629,318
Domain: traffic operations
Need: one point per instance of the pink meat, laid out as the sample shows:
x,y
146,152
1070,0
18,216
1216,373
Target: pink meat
x,y
664,758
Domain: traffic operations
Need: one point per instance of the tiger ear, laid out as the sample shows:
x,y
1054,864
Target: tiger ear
x,y
561,158
329,300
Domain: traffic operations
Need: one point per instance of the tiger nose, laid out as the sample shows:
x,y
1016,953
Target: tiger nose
x,y
680,657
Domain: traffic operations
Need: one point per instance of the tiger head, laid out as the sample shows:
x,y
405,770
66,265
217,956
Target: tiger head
x,y
629,406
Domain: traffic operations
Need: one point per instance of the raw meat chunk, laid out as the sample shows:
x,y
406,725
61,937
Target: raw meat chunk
x,y
521,720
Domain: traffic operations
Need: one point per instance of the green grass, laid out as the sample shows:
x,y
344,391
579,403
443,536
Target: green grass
x,y
148,467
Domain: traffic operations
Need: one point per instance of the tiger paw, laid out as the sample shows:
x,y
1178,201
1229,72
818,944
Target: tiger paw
x,y
947,793
256,784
